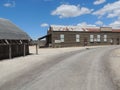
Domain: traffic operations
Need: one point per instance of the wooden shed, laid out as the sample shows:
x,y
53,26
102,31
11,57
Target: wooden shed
x,y
68,36
13,41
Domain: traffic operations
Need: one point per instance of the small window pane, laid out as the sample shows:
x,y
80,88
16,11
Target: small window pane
x,y
77,40
77,36
105,40
98,40
91,40
91,36
62,40
61,36
98,36
105,36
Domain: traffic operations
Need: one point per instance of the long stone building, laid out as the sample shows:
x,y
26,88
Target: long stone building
x,y
13,41
67,36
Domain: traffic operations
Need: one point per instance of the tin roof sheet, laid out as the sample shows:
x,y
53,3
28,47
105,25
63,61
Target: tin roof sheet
x,y
78,28
8,30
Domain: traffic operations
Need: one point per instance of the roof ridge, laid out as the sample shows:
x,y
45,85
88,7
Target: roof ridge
x,y
4,19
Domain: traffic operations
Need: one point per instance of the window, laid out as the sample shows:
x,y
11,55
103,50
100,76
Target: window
x,y
62,37
98,38
105,38
77,38
91,38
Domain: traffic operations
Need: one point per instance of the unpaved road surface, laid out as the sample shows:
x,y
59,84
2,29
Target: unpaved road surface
x,y
77,70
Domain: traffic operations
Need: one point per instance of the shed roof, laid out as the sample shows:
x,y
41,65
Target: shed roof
x,y
10,31
73,28
115,30
79,28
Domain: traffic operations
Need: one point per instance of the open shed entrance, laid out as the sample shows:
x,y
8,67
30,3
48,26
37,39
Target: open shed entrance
x,y
13,48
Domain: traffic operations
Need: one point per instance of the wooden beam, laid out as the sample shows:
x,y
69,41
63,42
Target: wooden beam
x,y
24,51
21,42
36,48
7,42
10,52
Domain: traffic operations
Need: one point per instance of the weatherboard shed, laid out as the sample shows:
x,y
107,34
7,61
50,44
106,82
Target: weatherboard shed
x,y
13,41
68,36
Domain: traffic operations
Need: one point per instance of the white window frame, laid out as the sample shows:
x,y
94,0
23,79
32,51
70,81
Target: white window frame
x,y
98,38
91,38
77,38
62,37
105,38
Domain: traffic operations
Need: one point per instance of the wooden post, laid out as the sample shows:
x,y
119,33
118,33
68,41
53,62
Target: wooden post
x,y
36,48
24,49
10,52
38,42
17,50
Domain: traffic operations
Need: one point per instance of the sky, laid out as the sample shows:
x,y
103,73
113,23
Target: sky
x,y
35,16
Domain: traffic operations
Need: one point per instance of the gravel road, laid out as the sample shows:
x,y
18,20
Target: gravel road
x,y
76,70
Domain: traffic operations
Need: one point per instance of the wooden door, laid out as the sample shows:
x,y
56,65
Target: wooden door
x,y
118,41
85,42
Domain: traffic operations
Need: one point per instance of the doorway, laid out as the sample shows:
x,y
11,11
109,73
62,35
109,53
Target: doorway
x,y
85,41
118,41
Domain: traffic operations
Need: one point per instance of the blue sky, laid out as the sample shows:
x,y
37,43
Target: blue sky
x,y
35,16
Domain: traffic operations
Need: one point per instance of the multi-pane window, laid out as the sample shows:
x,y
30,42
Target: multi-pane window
x,y
105,38
77,38
98,38
62,37
91,38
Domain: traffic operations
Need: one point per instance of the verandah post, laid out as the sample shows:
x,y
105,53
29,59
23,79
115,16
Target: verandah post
x,y
10,51
24,46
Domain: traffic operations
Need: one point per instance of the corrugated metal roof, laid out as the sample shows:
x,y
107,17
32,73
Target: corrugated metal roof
x,y
8,30
65,28
78,28
72,28
93,29
115,30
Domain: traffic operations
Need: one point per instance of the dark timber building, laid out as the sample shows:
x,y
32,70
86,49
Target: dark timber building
x,y
13,41
67,36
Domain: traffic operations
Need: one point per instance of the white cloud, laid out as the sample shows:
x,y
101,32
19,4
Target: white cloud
x,y
115,24
114,13
44,25
100,23
84,24
97,2
9,4
111,10
66,11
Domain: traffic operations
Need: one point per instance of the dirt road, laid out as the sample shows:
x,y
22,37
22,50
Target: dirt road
x,y
76,70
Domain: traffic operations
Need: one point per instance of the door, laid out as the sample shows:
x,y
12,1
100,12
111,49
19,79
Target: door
x,y
118,41
85,41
